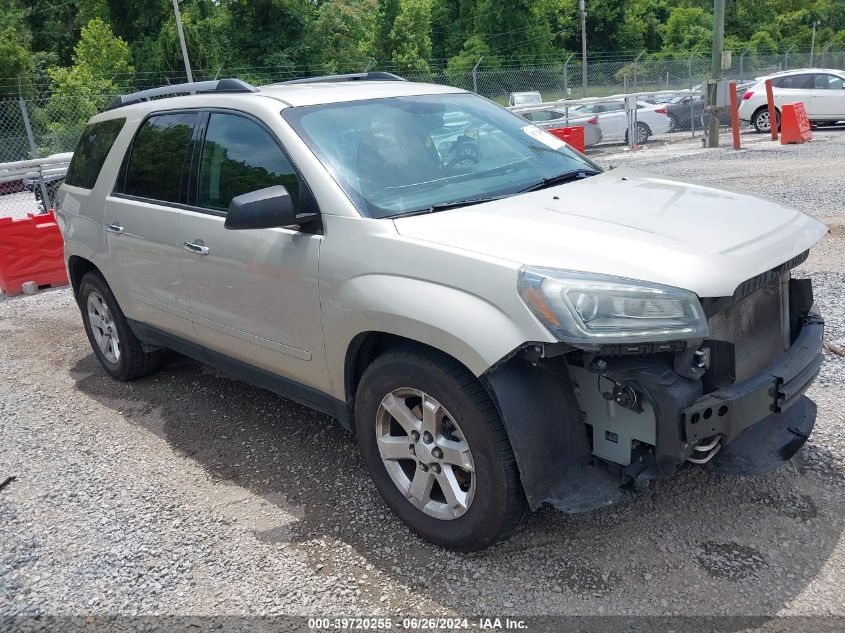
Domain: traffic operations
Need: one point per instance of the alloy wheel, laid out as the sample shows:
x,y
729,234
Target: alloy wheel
x,y
103,327
425,453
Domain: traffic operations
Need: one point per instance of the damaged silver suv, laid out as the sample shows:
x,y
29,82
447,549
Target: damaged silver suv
x,y
501,323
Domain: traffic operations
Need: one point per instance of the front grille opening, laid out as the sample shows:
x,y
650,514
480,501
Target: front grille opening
x,y
757,326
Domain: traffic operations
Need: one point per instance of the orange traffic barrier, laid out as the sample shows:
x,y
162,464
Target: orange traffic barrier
x,y
573,135
31,249
734,115
794,125
773,116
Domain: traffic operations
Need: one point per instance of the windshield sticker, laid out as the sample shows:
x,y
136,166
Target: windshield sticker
x,y
539,134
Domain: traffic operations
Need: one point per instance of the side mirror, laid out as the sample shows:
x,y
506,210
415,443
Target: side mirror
x,y
264,209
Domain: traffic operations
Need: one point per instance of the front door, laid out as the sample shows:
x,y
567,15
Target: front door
x,y
142,223
253,293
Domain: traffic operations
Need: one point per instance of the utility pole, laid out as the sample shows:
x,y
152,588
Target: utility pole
x,y
813,45
715,71
582,6
182,41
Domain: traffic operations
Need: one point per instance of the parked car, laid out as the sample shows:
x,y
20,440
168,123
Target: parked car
x,y
613,119
822,91
681,115
524,98
553,118
501,323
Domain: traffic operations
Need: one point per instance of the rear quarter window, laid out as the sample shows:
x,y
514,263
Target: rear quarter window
x,y
91,151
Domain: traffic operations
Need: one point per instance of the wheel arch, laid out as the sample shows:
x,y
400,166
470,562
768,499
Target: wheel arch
x,y
77,268
362,350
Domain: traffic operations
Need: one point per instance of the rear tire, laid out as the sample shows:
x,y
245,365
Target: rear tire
x,y
674,124
115,345
405,382
760,120
643,133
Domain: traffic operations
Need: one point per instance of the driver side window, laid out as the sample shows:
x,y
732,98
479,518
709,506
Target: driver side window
x,y
240,156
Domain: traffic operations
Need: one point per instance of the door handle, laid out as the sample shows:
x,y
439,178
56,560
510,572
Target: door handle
x,y
197,247
114,228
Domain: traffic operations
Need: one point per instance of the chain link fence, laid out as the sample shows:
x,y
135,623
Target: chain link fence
x,y
37,123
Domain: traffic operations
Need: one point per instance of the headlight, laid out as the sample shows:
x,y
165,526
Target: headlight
x,y
597,309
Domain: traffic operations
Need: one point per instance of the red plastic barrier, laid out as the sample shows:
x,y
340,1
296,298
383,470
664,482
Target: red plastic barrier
x,y
572,135
794,125
31,249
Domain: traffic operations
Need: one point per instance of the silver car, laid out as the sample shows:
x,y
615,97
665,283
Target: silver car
x,y
502,324
549,118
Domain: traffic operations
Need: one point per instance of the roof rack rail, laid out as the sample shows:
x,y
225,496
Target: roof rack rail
x,y
373,75
215,85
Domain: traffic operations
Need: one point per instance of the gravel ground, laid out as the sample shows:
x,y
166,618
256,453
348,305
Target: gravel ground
x,y
189,492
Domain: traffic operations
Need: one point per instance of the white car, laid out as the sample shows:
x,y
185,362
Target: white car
x,y
822,91
524,98
651,120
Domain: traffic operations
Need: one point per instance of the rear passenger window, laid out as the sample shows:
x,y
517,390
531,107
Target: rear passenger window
x,y
157,161
91,152
240,156
797,82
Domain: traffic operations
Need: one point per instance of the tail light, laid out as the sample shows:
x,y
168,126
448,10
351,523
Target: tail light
x,y
593,121
747,96
661,111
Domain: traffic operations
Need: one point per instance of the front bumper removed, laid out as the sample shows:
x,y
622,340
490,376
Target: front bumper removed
x,y
763,421
760,423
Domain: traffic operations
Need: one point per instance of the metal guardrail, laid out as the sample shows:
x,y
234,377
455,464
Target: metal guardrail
x,y
38,176
23,169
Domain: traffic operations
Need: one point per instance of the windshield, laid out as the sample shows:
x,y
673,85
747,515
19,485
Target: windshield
x,y
402,155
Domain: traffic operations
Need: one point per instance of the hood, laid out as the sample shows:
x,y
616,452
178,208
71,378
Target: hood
x,y
630,224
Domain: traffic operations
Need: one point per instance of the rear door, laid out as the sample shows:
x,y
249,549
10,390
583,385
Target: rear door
x,y
253,293
142,222
795,89
613,120
828,97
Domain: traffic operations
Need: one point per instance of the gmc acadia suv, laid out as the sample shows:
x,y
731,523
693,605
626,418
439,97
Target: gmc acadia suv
x,y
501,323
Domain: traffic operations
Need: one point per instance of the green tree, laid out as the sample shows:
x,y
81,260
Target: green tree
x,y
15,41
686,29
450,22
269,33
340,37
410,37
520,31
101,69
386,13
206,37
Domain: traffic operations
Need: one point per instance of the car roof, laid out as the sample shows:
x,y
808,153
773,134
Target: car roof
x,y
801,71
285,95
302,94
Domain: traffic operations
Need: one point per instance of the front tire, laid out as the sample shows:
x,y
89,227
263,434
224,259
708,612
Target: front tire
x,y
115,346
437,450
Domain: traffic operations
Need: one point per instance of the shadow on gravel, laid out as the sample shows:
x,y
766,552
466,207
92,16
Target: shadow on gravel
x,y
721,544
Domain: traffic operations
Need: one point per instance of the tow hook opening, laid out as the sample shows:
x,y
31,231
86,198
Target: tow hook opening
x,y
705,450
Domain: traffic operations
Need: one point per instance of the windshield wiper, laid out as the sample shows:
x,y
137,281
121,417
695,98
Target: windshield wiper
x,y
445,206
567,176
